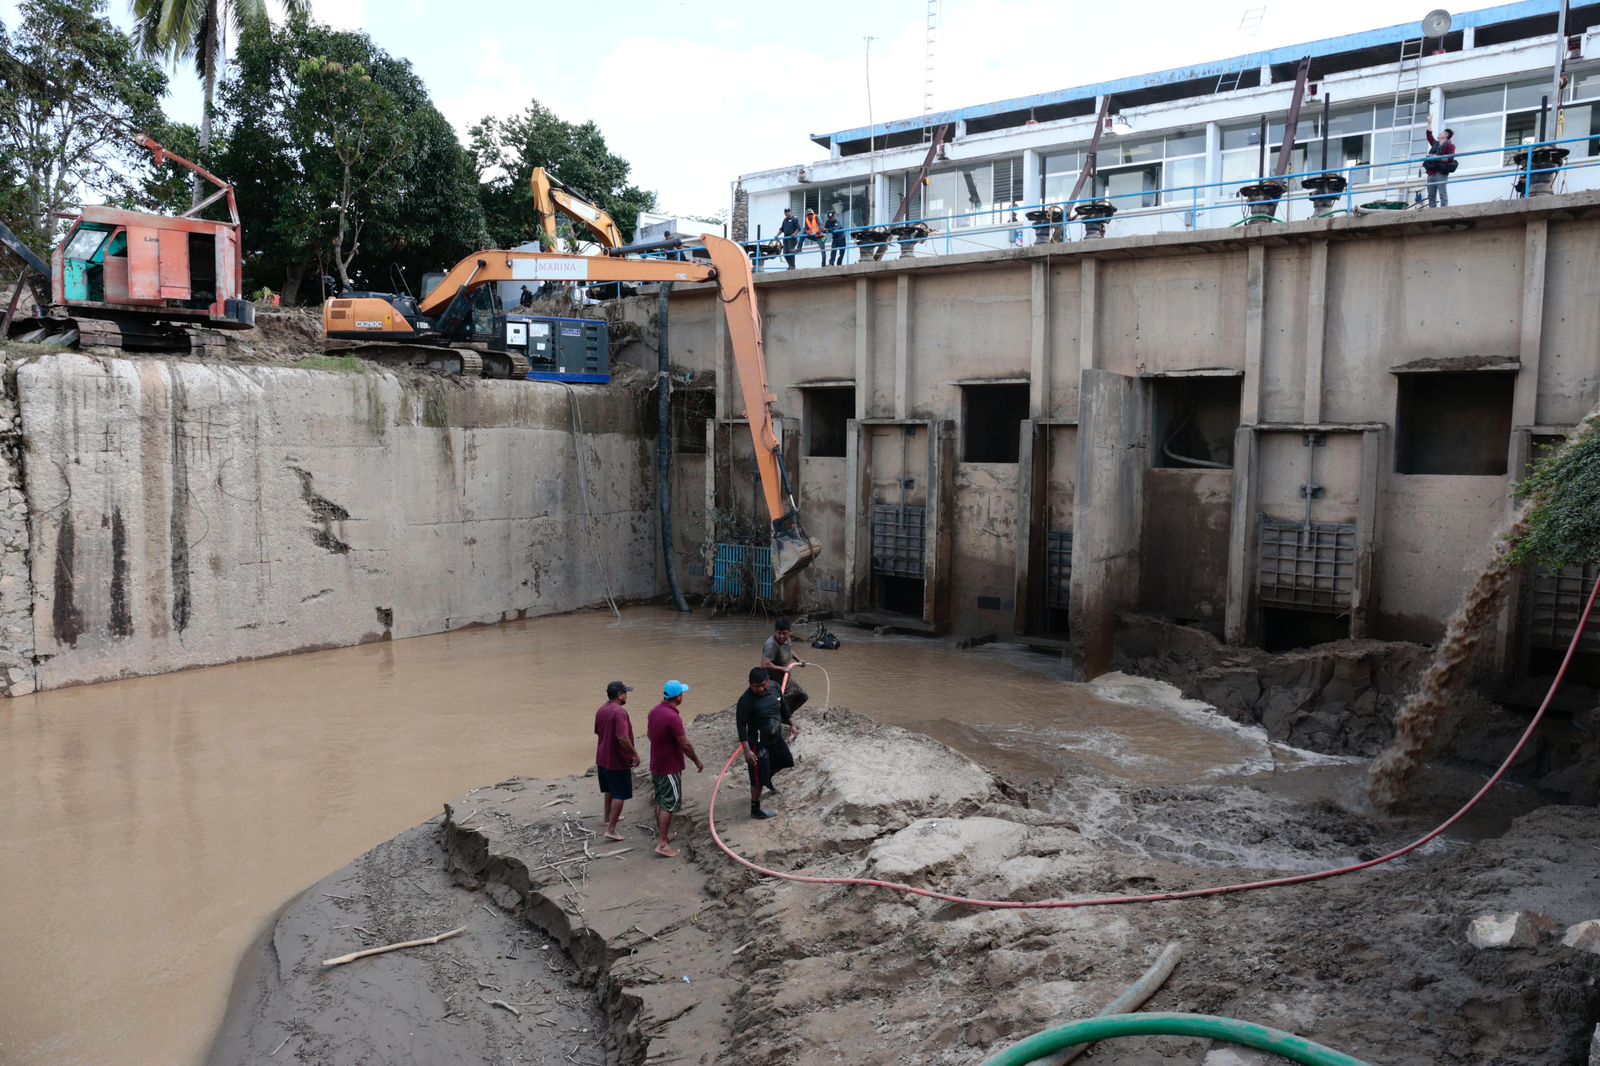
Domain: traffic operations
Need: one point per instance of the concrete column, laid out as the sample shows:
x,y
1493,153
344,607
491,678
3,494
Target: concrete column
x,y
960,130
940,543
902,346
863,348
1525,405
1032,487
1241,537
1213,160
1469,37
1032,176
1039,343
727,381
1316,331
1088,314
1361,600
1436,116
1266,74
857,537
1255,333
882,209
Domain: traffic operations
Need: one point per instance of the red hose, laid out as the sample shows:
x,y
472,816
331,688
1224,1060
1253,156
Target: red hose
x,y
1192,893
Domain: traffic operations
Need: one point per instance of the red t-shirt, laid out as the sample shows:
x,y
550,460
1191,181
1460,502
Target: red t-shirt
x,y
665,726
610,722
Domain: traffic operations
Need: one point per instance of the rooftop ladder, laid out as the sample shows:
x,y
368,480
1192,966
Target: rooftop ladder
x,y
1399,174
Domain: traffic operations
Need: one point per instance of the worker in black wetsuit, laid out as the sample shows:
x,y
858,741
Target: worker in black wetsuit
x,y
762,718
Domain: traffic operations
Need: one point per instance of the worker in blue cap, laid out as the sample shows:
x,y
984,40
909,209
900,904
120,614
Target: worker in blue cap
x,y
669,747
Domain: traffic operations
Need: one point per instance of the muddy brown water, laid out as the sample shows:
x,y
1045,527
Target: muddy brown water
x,y
153,826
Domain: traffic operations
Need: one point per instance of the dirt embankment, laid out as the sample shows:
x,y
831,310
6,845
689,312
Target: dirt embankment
x,y
697,961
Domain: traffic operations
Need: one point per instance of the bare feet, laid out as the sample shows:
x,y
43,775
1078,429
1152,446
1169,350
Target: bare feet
x,y
612,834
666,852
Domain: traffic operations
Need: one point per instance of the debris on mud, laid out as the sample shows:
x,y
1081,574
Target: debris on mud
x,y
696,960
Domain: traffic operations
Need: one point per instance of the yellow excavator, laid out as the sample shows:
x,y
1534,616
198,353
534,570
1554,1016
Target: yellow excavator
x,y
551,197
442,318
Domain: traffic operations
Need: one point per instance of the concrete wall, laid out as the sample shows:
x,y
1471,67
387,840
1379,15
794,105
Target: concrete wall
x,y
185,514
1318,319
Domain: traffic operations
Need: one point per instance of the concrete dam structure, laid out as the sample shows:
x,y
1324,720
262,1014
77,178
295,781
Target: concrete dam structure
x,y
187,514
1285,434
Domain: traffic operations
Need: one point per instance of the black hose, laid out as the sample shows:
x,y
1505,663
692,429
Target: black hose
x,y
664,448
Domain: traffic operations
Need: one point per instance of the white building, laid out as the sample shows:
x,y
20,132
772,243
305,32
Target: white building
x,y
1187,139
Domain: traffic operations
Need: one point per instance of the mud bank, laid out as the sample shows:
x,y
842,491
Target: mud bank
x,y
697,961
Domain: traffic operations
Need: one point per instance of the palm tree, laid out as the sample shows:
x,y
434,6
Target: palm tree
x,y
191,29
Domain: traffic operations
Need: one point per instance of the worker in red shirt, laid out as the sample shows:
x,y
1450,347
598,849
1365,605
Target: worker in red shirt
x,y
614,756
669,746
1438,165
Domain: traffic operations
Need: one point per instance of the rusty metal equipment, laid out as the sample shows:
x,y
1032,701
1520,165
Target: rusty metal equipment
x,y
140,281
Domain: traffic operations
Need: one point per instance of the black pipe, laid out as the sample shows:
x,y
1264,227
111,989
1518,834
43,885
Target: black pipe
x,y
664,447
1544,105
646,246
1327,104
1261,162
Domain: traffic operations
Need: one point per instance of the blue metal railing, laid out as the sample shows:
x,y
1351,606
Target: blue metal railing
x,y
1195,206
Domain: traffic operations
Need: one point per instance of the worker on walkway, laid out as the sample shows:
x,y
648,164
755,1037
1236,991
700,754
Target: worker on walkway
x,y
761,719
790,232
780,661
1438,165
669,746
526,299
813,232
835,230
614,756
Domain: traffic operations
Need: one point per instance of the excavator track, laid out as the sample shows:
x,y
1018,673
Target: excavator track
x,y
504,365
439,358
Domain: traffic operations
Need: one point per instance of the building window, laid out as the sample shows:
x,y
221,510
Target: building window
x,y
1061,170
991,422
1454,423
828,411
974,195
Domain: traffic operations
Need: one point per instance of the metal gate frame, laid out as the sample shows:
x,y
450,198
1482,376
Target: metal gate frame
x,y
1306,567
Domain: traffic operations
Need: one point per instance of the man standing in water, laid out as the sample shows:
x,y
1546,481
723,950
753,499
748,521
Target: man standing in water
x,y
779,660
760,719
614,756
669,744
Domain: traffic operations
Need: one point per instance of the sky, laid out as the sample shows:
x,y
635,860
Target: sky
x,y
695,92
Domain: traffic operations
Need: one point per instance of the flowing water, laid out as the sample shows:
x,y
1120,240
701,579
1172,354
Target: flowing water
x,y
154,826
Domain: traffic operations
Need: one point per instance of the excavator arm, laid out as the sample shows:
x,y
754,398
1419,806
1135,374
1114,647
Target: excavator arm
x,y
551,197
792,549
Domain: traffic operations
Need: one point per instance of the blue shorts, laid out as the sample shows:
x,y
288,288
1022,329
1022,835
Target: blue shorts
x,y
618,784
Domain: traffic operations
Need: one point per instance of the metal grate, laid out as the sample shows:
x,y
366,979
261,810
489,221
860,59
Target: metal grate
x,y
1555,602
1058,569
739,567
1306,567
897,540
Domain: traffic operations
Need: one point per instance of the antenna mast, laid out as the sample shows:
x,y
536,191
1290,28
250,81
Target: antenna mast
x,y
927,68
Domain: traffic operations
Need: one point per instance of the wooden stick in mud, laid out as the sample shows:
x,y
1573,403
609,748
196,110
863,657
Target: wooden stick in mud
x,y
354,955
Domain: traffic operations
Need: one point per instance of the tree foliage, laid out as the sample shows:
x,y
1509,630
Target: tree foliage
x,y
507,150
342,163
1564,491
73,91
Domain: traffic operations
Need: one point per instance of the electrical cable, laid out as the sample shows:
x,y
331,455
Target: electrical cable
x,y
1192,893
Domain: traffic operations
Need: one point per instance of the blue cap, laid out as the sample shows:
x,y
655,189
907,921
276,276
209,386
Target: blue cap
x,y
674,689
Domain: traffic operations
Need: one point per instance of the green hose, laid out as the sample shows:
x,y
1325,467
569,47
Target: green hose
x,y
1111,1026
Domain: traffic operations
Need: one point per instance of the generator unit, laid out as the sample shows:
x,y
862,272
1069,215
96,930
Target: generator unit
x,y
561,349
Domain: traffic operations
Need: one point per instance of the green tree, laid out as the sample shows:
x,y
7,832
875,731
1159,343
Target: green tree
x,y
509,149
192,29
295,121
73,91
353,134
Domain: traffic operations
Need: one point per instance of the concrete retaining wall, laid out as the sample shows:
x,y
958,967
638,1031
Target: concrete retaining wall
x,y
186,514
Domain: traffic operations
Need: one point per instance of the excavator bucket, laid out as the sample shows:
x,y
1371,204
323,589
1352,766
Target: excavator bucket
x,y
791,553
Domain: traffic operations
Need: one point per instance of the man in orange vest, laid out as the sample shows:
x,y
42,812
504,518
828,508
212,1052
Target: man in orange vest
x,y
813,231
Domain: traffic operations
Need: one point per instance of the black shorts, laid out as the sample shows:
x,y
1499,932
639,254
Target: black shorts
x,y
771,757
618,784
